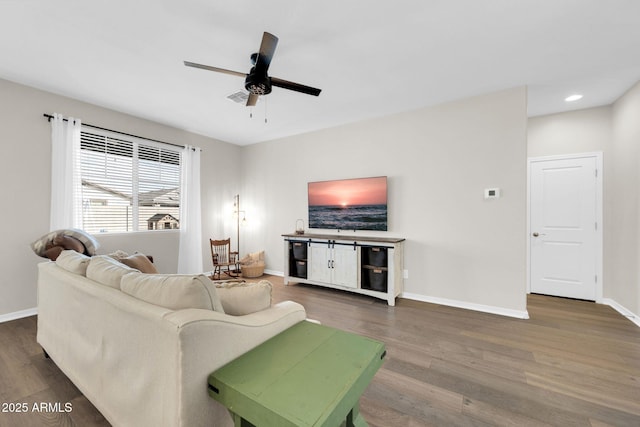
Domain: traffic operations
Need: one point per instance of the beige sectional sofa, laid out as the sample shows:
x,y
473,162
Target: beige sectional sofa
x,y
135,347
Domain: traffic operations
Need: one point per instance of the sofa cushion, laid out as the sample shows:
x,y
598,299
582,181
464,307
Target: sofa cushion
x,y
140,262
107,271
173,291
73,261
239,299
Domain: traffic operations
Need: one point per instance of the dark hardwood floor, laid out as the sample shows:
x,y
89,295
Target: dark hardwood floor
x,y
573,363
27,378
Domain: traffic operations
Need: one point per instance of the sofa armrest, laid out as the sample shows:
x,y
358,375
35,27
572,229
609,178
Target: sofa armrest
x,y
208,340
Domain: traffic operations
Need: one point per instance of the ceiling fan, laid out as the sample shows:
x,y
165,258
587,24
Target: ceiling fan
x,y
258,82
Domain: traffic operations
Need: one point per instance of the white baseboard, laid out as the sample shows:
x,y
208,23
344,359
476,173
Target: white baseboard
x,y
488,308
18,314
274,273
622,310
452,303
468,305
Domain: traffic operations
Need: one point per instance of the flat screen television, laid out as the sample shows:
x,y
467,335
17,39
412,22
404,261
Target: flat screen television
x,y
349,204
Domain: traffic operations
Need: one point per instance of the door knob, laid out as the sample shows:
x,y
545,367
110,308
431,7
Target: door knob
x,y
535,234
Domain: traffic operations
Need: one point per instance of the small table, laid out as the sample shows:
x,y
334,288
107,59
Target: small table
x,y
308,375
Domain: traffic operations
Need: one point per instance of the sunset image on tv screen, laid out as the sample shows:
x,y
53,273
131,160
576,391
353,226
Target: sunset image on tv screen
x,y
349,204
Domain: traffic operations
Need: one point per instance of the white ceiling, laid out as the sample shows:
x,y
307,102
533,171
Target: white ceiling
x,y
369,58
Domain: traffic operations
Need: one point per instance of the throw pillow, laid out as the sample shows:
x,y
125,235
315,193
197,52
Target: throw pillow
x,y
45,242
89,242
118,255
140,262
239,299
107,271
74,262
173,291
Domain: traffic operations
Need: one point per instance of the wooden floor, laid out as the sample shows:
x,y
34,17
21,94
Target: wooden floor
x,y
573,363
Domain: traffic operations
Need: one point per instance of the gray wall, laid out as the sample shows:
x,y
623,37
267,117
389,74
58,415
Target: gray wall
x,y
460,248
25,169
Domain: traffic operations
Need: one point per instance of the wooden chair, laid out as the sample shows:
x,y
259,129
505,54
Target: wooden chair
x,y
224,259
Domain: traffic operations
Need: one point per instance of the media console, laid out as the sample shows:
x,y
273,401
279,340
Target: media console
x,y
366,265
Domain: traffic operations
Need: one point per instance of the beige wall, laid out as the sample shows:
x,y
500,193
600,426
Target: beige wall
x,y
615,131
25,171
459,247
579,131
625,239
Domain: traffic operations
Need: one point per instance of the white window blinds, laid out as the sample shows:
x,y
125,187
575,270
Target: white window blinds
x,y
128,184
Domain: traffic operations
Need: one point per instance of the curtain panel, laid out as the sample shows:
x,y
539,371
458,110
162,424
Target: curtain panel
x,y
190,251
66,186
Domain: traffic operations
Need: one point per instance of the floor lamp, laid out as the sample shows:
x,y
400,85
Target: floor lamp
x,y
237,212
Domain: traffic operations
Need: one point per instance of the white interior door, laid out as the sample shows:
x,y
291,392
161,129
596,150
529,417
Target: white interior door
x,y
564,215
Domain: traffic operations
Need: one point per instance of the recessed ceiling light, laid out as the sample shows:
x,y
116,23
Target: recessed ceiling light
x,y
574,97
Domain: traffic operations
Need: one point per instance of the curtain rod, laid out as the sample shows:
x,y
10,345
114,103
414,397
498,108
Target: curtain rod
x,y
49,117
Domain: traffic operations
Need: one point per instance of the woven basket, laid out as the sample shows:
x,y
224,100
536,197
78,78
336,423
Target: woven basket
x,y
252,270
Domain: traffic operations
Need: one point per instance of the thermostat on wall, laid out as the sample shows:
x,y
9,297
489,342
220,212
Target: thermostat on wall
x,y
491,193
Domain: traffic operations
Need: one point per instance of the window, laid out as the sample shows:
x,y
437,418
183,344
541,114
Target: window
x,y
128,184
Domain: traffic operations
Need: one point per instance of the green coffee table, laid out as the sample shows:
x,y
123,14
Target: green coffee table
x,y
308,375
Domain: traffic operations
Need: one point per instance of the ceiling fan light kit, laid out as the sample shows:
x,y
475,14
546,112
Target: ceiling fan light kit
x,y
257,85
257,82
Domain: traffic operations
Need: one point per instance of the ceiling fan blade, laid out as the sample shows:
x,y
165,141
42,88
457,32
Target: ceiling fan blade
x,y
252,100
295,86
267,49
216,69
